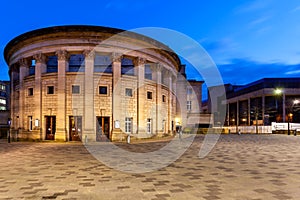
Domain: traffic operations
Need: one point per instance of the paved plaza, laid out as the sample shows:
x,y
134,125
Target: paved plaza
x,y
239,167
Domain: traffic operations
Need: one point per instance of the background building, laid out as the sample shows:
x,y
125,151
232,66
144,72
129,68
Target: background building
x,y
89,82
261,102
4,107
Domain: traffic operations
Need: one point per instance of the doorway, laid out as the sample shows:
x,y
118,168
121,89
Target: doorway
x,y
75,128
102,129
50,127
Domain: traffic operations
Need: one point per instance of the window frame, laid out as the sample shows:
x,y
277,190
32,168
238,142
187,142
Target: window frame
x,y
130,94
72,89
48,87
128,124
103,86
151,95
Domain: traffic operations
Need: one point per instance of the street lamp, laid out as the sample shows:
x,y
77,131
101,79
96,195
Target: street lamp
x,y
279,91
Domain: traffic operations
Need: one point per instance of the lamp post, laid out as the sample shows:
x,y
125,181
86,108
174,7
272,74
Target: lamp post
x,y
279,91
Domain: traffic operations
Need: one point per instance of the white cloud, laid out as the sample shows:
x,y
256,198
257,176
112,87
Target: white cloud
x,y
293,72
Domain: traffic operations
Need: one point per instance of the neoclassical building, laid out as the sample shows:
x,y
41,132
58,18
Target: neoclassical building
x,y
93,83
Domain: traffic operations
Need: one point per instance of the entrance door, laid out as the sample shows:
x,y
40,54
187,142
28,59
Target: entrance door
x,y
75,127
50,127
102,129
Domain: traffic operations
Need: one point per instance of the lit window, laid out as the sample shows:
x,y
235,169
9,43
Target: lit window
x,y
2,101
75,89
102,90
128,125
30,91
149,126
189,105
50,89
149,95
128,92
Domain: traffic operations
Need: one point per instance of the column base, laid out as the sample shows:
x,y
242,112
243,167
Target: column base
x,y
89,135
118,135
60,136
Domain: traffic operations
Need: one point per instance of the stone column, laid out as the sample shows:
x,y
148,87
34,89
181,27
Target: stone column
x,y
24,70
156,69
89,132
169,82
139,64
61,129
40,67
116,100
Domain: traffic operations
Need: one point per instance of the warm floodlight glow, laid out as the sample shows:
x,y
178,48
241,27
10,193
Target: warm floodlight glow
x,y
278,91
296,101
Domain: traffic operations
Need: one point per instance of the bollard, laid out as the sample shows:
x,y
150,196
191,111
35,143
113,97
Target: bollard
x,y
8,136
128,139
85,139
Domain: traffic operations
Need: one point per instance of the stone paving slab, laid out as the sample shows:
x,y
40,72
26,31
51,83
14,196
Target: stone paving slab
x,y
246,167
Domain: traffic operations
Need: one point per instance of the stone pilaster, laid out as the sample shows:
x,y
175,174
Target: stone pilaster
x,y
13,104
89,129
117,89
61,133
40,67
23,72
157,70
139,64
169,82
182,99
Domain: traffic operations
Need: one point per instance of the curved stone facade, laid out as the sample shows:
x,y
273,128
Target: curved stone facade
x,y
91,83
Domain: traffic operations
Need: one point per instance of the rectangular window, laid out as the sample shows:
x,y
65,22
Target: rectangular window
x,y
149,95
163,98
75,89
50,89
30,91
2,87
189,105
189,91
30,123
2,101
128,125
102,89
149,127
128,92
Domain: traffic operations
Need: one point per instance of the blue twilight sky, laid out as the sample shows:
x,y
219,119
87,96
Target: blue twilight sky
x,y
248,40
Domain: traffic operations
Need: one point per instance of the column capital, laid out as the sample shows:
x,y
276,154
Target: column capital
x,y
23,62
40,58
139,61
116,57
89,54
62,55
156,67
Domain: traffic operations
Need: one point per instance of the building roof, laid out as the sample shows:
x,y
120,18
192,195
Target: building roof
x,y
264,83
68,31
